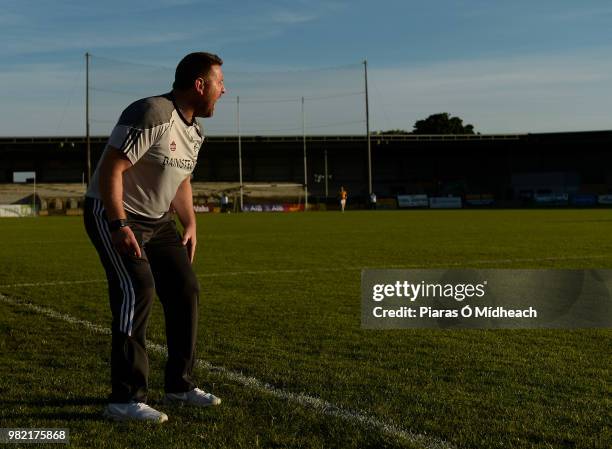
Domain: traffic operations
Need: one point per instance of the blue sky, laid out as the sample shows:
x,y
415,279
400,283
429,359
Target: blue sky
x,y
521,66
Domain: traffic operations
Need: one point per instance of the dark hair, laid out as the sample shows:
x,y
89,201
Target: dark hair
x,y
193,66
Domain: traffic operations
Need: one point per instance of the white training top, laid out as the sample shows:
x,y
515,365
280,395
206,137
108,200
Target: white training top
x,y
163,148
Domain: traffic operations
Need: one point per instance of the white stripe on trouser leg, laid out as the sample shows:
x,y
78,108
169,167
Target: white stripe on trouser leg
x,y
129,298
100,223
96,213
127,304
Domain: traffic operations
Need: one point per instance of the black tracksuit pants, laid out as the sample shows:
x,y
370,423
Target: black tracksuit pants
x,y
165,269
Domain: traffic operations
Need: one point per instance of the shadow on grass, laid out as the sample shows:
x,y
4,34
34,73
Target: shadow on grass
x,y
60,402
61,416
15,407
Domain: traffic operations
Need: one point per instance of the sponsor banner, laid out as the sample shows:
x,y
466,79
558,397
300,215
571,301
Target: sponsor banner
x,y
387,203
584,200
202,208
445,202
16,210
486,299
556,199
253,208
293,207
604,199
479,200
412,201
273,207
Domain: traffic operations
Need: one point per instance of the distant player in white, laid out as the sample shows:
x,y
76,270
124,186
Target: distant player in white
x,y
224,202
142,180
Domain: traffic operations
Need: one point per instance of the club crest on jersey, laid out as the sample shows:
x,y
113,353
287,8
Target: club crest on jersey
x,y
172,146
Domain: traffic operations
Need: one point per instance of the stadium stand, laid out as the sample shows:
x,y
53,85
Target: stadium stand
x,y
477,168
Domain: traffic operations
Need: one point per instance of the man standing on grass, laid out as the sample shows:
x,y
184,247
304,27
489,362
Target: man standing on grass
x,y
142,178
224,203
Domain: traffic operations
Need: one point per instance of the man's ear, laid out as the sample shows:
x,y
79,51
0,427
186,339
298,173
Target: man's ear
x,y
200,84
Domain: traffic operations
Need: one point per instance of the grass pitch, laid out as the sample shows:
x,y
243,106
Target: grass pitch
x,y
281,304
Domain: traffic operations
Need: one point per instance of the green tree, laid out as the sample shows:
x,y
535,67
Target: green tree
x,y
442,123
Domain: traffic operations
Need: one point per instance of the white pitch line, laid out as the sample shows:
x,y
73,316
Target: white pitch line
x,y
406,266
319,405
494,261
43,284
324,269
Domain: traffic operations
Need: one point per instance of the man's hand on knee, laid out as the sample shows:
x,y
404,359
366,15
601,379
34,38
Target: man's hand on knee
x,y
190,240
125,242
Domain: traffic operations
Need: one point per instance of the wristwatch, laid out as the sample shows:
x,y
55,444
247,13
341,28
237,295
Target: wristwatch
x,y
115,225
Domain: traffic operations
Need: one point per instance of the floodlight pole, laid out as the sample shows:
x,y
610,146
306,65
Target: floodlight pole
x,y
305,168
87,139
367,111
326,176
34,196
239,152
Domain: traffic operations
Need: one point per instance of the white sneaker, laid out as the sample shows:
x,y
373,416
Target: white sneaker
x,y
194,397
137,411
